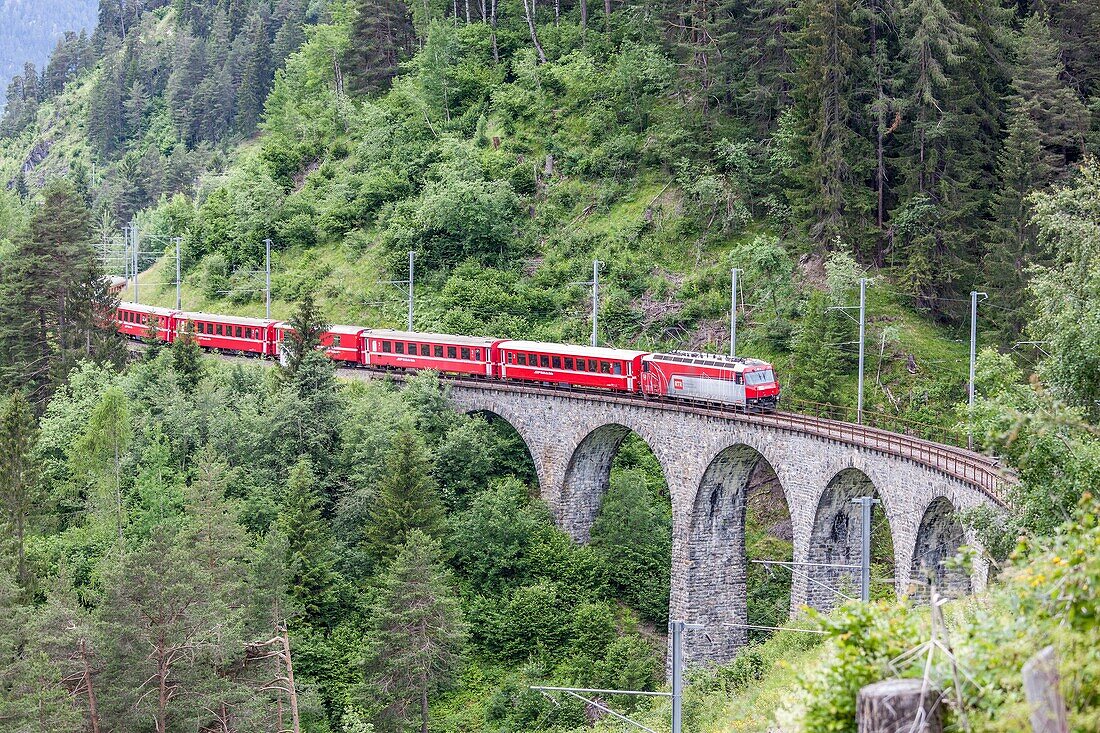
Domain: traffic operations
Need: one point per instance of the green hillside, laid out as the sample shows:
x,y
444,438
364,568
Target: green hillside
x,y
934,147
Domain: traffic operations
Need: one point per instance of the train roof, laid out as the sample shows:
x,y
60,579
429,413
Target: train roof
x,y
387,333
218,317
594,352
142,308
335,328
703,359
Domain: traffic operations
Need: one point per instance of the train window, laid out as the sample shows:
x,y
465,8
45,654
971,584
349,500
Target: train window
x,y
412,349
465,353
645,367
511,358
739,379
437,351
336,341
386,346
569,363
399,347
544,361
556,361
425,349
605,367
522,359
592,365
533,359
452,352
580,365
477,354
219,329
239,331
618,368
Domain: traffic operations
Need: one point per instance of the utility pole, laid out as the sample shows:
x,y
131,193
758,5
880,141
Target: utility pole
x,y
412,256
865,505
126,257
178,296
677,674
134,251
595,301
862,333
733,312
974,294
267,276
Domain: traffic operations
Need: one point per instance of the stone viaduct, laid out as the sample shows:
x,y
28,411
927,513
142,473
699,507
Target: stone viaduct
x,y
708,455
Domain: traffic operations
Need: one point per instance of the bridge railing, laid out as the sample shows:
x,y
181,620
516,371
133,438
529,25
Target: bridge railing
x,y
882,421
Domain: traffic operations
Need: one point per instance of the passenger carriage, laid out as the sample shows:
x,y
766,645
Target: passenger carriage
x,y
341,343
134,318
444,353
579,366
231,333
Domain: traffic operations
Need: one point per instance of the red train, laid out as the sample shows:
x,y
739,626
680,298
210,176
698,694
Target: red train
x,y
711,377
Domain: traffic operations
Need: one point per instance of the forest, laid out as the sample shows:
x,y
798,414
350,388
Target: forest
x,y
192,544
29,31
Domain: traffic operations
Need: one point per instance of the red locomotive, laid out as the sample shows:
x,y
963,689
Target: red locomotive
x,y
685,375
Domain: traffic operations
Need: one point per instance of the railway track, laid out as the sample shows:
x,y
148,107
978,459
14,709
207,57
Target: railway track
x,y
979,470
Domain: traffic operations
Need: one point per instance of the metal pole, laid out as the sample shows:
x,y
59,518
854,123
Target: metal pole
x,y
677,675
865,505
973,364
411,256
733,313
134,245
267,276
178,296
126,256
862,332
595,299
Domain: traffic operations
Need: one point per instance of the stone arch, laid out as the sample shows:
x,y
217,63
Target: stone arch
x,y
588,475
494,416
939,537
836,539
717,583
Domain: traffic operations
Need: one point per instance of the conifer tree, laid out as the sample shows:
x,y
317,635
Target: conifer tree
x,y
187,358
417,634
305,335
408,499
1040,92
101,453
52,296
18,480
257,72
831,152
310,560
381,35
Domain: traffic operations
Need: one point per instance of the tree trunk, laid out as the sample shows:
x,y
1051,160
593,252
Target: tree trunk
x,y
493,25
93,704
584,15
899,705
557,11
291,691
424,706
531,26
467,12
607,11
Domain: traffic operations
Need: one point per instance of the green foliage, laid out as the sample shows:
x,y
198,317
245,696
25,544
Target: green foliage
x,y
633,534
408,500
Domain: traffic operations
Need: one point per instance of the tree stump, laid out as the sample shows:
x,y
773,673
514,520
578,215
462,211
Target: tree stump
x,y
897,706
1042,686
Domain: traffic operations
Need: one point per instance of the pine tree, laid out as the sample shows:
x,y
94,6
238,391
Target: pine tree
x,y
417,636
290,16
1021,168
52,296
18,480
187,358
306,326
408,499
831,152
32,697
257,73
310,561
1038,90
381,36
105,109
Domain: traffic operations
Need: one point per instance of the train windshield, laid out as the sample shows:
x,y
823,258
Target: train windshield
x,y
762,376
